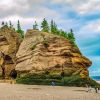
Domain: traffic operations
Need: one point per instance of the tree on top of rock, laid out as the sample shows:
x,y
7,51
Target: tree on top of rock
x,y
3,23
19,30
63,33
18,25
10,24
71,36
35,26
53,27
45,26
6,24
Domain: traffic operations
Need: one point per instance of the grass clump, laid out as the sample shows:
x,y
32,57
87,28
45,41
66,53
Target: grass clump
x,y
33,47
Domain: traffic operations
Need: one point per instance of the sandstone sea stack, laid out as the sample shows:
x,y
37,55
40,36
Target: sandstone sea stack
x,y
42,52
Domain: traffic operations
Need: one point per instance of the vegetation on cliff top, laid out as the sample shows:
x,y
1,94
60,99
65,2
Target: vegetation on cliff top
x,y
19,30
45,27
52,28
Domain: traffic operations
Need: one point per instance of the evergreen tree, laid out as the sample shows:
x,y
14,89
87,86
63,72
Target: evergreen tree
x,y
2,23
63,33
35,26
44,25
18,26
19,30
6,24
71,36
53,27
10,24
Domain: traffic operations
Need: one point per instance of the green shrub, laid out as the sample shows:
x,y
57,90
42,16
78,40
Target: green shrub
x,y
44,79
78,81
93,83
73,81
33,47
39,80
58,77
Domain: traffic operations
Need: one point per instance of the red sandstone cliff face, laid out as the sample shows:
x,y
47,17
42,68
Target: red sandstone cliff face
x,y
42,52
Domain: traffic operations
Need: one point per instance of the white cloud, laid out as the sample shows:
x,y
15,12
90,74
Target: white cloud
x,y
43,12
82,7
26,8
11,7
26,23
21,7
90,6
26,11
92,27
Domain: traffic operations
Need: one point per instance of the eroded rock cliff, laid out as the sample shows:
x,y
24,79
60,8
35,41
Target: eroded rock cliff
x,y
42,52
9,44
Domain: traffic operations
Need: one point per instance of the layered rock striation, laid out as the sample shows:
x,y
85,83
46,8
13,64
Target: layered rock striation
x,y
42,52
9,44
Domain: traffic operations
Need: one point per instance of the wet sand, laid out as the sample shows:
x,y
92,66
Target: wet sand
x,y
36,92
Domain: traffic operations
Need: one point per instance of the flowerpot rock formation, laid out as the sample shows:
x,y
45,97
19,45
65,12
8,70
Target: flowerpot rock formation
x,y
45,53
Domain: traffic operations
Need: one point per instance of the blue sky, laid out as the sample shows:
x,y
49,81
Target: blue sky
x,y
83,16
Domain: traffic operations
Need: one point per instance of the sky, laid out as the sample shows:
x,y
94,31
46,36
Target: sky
x,y
83,16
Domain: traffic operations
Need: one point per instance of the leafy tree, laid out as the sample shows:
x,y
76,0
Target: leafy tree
x,y
19,30
35,26
44,25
